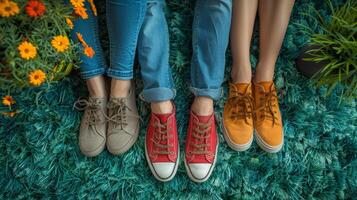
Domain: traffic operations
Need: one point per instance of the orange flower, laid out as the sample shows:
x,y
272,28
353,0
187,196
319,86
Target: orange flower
x,y
9,114
77,3
69,23
81,11
37,77
8,8
81,40
8,100
92,5
88,51
35,8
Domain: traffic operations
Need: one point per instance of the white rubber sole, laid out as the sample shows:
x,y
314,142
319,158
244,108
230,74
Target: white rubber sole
x,y
127,146
266,147
232,145
153,170
190,175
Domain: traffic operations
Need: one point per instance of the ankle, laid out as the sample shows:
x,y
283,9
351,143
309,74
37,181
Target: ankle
x,y
202,106
97,87
241,73
120,88
264,72
162,107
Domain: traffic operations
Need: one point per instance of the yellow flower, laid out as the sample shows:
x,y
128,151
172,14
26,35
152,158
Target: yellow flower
x,y
8,100
69,23
77,3
37,77
8,8
60,43
81,11
88,51
27,50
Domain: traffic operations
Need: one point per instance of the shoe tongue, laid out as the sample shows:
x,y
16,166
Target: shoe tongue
x,y
266,85
163,117
242,87
203,119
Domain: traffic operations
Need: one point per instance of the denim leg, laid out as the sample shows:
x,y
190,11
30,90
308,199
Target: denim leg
x,y
124,18
210,39
96,65
153,52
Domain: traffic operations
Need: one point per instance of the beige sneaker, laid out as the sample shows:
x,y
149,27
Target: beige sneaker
x,y
123,123
92,133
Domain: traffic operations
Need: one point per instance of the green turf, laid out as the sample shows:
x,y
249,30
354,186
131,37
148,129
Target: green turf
x,y
40,157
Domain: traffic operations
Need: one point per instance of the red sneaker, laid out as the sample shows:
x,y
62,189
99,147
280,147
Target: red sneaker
x,y
201,147
161,146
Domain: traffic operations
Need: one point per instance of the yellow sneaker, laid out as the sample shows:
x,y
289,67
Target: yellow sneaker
x,y
267,119
238,117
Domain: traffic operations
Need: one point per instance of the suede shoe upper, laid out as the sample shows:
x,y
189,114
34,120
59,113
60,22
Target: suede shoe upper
x,y
92,133
267,120
238,115
123,123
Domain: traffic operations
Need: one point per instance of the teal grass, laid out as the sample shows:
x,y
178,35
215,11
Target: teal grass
x,y
40,158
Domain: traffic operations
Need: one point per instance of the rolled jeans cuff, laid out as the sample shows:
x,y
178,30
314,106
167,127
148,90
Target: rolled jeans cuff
x,y
158,94
92,73
121,75
213,93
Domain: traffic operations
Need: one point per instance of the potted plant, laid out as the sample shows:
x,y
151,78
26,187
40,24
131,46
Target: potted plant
x,y
330,58
35,46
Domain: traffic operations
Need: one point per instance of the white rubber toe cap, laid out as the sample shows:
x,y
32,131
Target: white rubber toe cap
x,y
200,170
164,170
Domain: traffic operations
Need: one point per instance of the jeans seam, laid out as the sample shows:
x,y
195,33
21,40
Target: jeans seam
x,y
110,33
194,40
167,48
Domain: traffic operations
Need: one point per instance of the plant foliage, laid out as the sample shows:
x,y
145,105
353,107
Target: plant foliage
x,y
39,31
336,45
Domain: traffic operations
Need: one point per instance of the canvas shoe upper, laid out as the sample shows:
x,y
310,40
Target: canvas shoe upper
x,y
161,145
201,147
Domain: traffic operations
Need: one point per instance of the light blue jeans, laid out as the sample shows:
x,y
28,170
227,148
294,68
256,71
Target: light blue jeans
x,y
211,27
132,25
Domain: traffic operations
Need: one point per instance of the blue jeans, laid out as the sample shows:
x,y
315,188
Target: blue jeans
x,y
210,39
131,24
211,27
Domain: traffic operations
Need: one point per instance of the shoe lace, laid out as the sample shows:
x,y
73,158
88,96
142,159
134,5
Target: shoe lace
x,y
118,113
201,131
161,138
242,105
93,108
268,104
